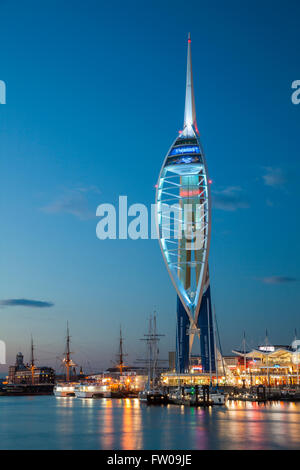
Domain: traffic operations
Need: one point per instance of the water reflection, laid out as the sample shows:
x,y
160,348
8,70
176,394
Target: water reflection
x,y
260,426
66,423
106,440
132,425
65,402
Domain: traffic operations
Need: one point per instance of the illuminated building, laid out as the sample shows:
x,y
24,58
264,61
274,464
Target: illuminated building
x,y
270,365
183,216
267,365
22,374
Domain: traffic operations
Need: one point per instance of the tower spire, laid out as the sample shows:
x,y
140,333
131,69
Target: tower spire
x,y
190,109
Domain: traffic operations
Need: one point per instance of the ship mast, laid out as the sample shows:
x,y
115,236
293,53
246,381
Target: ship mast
x,y
32,365
152,339
121,354
67,360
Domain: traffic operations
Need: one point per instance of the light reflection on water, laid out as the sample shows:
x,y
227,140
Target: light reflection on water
x,y
70,423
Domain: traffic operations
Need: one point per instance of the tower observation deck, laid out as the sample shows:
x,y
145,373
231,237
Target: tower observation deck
x,y
183,216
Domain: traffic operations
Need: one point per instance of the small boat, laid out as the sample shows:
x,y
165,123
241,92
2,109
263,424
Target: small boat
x,y
188,396
157,397
142,396
64,389
217,397
153,397
176,396
92,390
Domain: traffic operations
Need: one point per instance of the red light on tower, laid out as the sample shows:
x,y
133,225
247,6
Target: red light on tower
x,y
209,181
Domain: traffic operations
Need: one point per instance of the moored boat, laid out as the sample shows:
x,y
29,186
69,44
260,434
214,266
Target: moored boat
x,y
92,390
26,389
153,397
217,397
157,397
65,389
142,396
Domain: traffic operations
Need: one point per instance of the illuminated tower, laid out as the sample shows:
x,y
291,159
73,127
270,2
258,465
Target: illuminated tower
x,y
183,217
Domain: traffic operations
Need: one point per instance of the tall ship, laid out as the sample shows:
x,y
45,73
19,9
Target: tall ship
x,y
67,388
153,392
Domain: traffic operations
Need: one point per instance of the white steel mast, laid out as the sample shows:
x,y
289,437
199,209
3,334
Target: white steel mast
x,y
190,108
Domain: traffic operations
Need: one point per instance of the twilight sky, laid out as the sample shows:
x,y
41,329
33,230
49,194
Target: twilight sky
x,y
95,97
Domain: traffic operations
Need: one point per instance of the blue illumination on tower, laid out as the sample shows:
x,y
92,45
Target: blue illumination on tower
x,y
183,182
182,339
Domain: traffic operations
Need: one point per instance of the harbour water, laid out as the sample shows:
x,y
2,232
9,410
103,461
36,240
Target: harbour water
x,y
46,422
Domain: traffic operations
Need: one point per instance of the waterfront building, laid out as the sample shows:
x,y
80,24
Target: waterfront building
x,y
184,235
270,365
21,373
196,374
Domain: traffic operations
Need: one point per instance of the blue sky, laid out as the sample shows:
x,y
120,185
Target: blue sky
x,y
95,97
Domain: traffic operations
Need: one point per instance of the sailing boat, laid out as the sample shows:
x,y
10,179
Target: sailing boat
x,y
66,389
152,394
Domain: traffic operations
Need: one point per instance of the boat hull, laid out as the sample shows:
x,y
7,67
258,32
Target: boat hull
x,y
64,394
92,390
95,394
217,399
26,390
64,390
153,397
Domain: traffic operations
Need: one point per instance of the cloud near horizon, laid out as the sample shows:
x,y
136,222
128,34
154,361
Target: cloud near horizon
x,y
75,202
277,280
25,303
229,199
